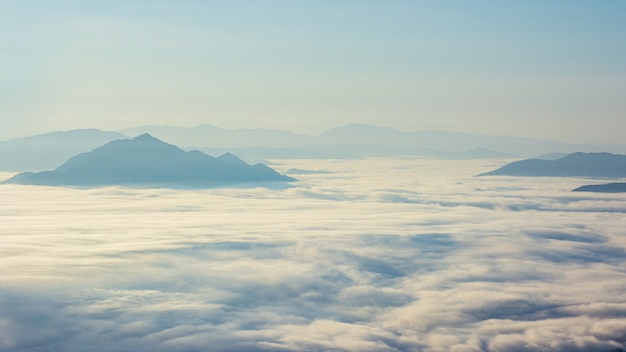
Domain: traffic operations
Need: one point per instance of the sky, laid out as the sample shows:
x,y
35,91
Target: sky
x,y
546,69
379,255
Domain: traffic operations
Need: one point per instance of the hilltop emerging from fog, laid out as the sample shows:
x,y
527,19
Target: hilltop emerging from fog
x,y
356,141
145,160
572,165
614,187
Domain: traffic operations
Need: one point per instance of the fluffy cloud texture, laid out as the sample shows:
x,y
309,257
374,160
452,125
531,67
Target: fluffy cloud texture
x,y
380,255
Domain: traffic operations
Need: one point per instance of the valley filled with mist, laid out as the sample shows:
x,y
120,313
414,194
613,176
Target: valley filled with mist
x,y
377,254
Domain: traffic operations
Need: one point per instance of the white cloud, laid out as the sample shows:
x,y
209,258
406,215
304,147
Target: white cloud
x,y
382,255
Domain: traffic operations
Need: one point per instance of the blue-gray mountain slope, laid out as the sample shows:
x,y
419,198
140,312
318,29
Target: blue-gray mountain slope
x,y
571,165
614,187
146,160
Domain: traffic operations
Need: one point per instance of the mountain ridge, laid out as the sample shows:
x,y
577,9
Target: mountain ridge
x,y
365,134
145,160
613,187
353,141
577,164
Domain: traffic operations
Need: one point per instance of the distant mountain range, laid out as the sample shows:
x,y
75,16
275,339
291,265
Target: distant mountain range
x,y
349,151
615,187
359,140
43,152
145,160
603,165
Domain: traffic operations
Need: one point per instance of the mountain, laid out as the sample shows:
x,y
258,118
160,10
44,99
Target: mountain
x,y
355,141
360,140
615,187
451,141
575,164
46,151
145,160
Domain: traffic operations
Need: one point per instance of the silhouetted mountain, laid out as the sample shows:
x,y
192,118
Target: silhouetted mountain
x,y
146,160
615,187
576,164
46,151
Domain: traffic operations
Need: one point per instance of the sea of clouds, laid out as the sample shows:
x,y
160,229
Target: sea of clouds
x,y
380,255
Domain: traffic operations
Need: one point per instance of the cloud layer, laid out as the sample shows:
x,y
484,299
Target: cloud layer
x,y
381,255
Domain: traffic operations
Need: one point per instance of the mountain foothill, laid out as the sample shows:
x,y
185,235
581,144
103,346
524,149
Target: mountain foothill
x,y
584,165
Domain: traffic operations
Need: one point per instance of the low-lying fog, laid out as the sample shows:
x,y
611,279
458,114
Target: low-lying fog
x,y
379,255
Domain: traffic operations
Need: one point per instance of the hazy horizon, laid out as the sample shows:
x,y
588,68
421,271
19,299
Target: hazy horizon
x,y
303,132
552,70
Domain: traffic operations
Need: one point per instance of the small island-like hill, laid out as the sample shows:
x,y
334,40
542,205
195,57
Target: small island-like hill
x,y
614,187
603,165
147,161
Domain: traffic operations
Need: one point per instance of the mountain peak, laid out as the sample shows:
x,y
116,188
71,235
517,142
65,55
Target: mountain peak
x,y
228,155
145,137
231,159
146,160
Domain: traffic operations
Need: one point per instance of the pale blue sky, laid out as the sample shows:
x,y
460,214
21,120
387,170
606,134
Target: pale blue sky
x,y
548,69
